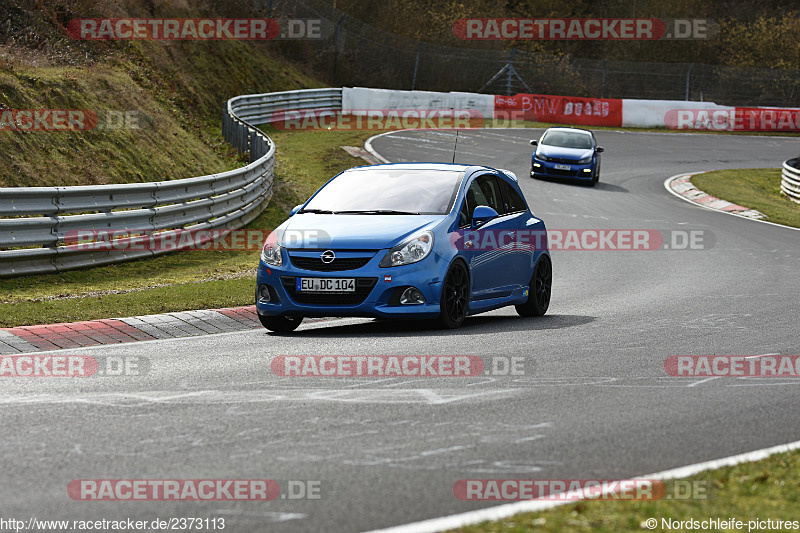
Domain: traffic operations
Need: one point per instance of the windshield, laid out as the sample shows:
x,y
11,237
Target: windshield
x,y
568,139
384,191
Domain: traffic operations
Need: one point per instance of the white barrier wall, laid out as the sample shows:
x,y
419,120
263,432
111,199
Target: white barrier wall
x,y
356,99
652,113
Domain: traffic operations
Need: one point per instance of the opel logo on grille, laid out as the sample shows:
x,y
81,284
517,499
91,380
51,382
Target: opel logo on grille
x,y
327,256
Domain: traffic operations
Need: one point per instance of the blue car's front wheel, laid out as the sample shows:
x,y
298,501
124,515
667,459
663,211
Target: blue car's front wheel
x,y
596,177
454,303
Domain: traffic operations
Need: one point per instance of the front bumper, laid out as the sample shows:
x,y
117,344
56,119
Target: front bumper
x,y
548,169
376,295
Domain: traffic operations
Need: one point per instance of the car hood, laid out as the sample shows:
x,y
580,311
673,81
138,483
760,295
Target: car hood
x,y
361,232
564,153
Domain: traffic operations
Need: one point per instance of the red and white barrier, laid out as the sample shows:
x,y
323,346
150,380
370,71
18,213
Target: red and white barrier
x,y
574,110
560,109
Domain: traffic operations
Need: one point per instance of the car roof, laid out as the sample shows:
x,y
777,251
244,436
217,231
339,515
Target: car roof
x,y
565,128
468,170
451,167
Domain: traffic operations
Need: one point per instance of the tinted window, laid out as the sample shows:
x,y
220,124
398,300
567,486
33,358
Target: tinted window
x,y
512,201
568,139
415,191
484,191
463,216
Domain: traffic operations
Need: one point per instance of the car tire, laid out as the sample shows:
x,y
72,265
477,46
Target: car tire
x,y
596,178
540,289
280,323
454,302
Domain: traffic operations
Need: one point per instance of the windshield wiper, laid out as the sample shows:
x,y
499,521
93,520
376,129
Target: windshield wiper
x,y
375,212
318,211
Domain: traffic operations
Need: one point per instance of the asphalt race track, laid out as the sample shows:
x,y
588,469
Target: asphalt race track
x,y
595,400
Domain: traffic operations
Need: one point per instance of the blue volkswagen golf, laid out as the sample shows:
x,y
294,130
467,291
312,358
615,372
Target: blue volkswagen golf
x,y
417,240
567,153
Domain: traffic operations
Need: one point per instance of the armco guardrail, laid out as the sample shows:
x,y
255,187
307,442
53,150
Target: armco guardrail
x,y
34,221
790,182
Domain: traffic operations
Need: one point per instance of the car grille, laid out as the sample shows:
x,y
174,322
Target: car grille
x,y
562,160
337,265
363,288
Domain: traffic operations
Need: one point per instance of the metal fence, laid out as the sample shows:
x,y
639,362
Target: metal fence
x,y
352,53
790,181
38,225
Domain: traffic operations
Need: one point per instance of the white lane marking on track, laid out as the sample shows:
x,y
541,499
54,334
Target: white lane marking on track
x,y
270,516
370,382
382,396
527,439
767,382
406,382
696,383
488,380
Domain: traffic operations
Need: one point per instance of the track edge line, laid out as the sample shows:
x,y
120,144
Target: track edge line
x,y
668,187
504,511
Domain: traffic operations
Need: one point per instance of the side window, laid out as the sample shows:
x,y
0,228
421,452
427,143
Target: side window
x,y
484,191
512,201
463,216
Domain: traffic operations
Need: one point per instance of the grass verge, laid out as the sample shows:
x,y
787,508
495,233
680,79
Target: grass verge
x,y
764,490
754,188
185,280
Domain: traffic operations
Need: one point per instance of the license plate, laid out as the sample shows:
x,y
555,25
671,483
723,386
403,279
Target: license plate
x,y
563,167
325,285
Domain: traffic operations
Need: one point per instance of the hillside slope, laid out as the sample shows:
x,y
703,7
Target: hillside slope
x,y
158,103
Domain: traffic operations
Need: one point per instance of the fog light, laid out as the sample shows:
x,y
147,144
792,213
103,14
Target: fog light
x,y
412,296
587,169
537,165
263,293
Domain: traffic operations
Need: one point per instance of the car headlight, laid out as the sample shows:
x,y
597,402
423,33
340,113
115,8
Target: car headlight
x,y
410,251
271,254
541,157
585,160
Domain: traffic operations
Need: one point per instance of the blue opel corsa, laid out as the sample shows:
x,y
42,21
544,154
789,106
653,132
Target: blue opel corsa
x,y
413,240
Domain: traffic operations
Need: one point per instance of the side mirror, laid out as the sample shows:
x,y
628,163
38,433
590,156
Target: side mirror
x,y
534,142
482,214
599,149
295,209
